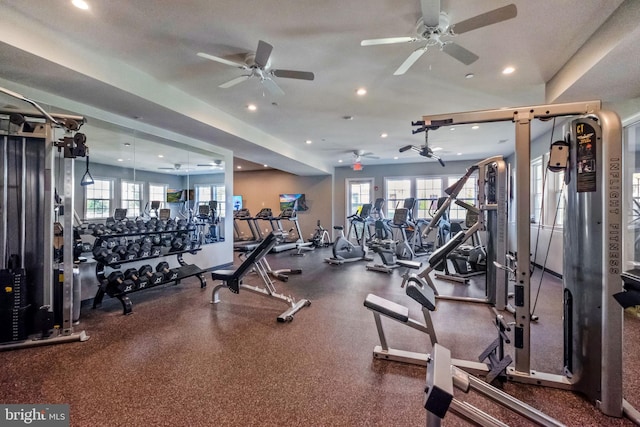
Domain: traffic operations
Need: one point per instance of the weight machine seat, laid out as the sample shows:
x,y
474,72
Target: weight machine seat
x,y
631,296
441,253
386,307
409,264
233,277
424,295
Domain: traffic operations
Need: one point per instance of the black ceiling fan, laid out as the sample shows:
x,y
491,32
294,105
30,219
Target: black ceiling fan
x,y
435,29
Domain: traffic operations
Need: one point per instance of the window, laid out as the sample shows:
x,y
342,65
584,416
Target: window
x,y
467,194
556,199
131,197
397,191
98,197
158,192
203,194
220,196
358,193
428,190
536,190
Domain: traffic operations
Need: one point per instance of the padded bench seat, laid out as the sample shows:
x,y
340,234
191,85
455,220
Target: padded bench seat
x,y
441,253
386,307
424,295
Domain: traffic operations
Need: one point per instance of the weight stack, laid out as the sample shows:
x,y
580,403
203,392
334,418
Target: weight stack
x,y
13,305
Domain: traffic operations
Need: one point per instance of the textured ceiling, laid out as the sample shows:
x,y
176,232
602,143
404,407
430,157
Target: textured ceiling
x,y
138,60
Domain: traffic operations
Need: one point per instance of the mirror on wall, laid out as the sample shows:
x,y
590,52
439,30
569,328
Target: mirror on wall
x,y
150,176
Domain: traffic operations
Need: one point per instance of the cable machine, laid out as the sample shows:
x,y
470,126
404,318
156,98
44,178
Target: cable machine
x,y
29,304
593,320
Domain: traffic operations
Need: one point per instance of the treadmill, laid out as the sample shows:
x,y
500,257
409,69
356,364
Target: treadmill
x,y
255,239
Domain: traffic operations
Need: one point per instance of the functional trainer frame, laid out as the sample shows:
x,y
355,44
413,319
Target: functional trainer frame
x,y
598,370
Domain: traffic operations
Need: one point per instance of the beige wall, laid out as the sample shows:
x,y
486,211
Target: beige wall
x,y
261,189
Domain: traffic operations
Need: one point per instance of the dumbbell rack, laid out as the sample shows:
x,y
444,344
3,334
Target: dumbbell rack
x,y
185,270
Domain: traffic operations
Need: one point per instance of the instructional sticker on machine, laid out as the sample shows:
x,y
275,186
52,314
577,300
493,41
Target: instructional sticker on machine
x,y
586,139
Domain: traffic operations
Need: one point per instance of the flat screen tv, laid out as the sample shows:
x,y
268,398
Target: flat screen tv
x,y
296,202
237,203
174,196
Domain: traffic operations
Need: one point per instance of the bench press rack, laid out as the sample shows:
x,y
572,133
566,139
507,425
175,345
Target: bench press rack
x,y
255,262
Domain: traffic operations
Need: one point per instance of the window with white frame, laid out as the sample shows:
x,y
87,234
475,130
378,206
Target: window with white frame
x,y
396,191
536,190
98,198
220,196
131,197
203,194
468,194
158,192
556,201
428,190
359,193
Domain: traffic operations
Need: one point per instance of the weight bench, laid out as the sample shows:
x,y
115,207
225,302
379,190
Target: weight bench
x,y
425,296
255,261
630,297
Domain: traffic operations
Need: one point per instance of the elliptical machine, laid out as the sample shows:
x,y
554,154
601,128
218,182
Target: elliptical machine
x,y
343,249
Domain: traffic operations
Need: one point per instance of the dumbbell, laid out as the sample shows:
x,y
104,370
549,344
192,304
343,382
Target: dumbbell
x,y
105,256
169,273
122,286
177,244
145,250
153,278
133,275
156,250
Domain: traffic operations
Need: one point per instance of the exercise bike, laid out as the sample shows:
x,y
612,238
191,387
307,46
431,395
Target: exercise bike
x,y
343,249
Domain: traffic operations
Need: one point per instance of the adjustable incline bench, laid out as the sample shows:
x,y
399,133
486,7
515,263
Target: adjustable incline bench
x,y
425,296
255,262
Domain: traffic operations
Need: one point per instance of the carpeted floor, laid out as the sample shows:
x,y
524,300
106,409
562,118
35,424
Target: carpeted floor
x,y
180,361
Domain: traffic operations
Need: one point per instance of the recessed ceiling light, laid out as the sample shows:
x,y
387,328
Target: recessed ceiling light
x,y
308,141
252,107
238,167
120,160
436,149
340,161
459,154
160,155
80,4
469,76
127,144
452,128
395,157
508,70
265,166
474,127
383,135
361,91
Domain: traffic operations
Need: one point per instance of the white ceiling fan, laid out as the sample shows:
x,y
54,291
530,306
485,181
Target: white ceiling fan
x,y
359,154
258,65
216,164
434,29
176,167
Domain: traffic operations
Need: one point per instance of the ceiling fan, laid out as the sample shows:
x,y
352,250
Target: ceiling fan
x,y
176,167
216,164
434,28
424,150
258,65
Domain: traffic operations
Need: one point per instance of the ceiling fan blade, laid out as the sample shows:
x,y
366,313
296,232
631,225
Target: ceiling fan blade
x,y
291,74
263,53
405,148
388,40
410,61
222,60
460,53
272,86
439,160
430,12
234,82
484,19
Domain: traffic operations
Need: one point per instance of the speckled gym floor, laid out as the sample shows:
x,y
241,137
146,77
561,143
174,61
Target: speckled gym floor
x,y
180,361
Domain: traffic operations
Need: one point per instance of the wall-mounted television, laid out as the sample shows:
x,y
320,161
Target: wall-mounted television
x,y
296,202
237,203
174,196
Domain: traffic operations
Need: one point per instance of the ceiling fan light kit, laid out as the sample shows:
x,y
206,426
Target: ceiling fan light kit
x,y
435,30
